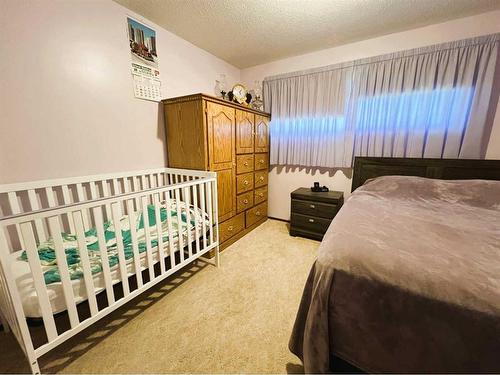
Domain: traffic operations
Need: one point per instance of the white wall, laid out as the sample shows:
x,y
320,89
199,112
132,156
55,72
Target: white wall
x,y
284,180
66,99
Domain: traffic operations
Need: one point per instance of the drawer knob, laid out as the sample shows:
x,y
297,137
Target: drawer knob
x,y
230,228
245,201
261,161
261,178
245,182
312,206
257,213
245,164
311,220
261,195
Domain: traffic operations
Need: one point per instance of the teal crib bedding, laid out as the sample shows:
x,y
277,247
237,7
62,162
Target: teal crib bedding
x,y
46,249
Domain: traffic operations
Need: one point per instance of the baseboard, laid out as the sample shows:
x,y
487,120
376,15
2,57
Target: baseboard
x,y
275,218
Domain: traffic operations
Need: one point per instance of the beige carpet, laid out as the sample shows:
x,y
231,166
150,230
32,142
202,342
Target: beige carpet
x,y
235,319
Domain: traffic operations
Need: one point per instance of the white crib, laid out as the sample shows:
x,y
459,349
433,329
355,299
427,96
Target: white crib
x,y
36,213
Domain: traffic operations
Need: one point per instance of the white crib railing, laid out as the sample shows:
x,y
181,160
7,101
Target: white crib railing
x,y
41,210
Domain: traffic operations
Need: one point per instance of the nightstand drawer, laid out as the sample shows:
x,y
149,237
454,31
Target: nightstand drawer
x,y
312,208
310,223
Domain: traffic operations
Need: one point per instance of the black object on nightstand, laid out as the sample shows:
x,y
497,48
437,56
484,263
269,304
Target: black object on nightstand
x,y
312,212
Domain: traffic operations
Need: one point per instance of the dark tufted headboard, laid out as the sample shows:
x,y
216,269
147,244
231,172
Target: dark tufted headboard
x,y
446,169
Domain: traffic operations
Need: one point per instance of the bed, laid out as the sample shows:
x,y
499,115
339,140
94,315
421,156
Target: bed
x,y
68,241
408,274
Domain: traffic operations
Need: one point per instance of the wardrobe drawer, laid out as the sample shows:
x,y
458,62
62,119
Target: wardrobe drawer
x,y
261,161
260,179
230,227
244,182
312,208
260,195
244,201
310,223
244,164
255,214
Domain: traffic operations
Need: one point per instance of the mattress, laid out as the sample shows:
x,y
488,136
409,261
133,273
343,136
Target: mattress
x,y
24,280
407,280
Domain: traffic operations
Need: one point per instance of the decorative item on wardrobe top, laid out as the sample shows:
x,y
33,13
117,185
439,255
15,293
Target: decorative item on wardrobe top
x,y
239,93
208,133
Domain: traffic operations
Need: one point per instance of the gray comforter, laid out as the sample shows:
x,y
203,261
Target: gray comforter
x,y
407,280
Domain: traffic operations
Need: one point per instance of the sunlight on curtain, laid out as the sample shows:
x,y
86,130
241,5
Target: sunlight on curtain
x,y
423,123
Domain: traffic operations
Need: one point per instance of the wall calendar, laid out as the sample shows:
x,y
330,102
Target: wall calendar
x,y
145,73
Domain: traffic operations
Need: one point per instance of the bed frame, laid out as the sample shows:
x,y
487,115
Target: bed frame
x,y
446,169
34,211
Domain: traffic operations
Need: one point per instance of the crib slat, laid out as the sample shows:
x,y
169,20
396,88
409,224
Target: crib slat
x,y
116,189
126,185
40,231
106,194
135,188
203,226
147,233
196,221
84,258
210,212
62,265
159,233
216,217
16,209
81,198
50,196
93,190
171,250
180,239
67,200
116,212
188,221
135,246
103,250
40,287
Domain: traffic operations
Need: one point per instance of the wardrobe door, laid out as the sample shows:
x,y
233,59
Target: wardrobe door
x,y
261,133
244,132
222,159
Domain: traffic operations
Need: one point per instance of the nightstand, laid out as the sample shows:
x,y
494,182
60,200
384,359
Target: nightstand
x,y
313,212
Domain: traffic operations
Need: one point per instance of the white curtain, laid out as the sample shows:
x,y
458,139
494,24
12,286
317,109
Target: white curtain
x,y
427,102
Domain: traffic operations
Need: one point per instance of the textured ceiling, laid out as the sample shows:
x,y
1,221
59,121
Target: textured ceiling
x,y
252,32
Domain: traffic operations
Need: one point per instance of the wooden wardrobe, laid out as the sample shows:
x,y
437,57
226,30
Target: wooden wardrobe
x,y
211,134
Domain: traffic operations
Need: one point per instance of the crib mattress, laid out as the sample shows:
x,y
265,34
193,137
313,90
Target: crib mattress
x,y
26,287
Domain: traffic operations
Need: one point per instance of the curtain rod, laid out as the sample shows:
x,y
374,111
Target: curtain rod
x,y
469,42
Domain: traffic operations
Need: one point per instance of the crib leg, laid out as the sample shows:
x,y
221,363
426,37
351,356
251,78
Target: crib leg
x,y
217,257
35,369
